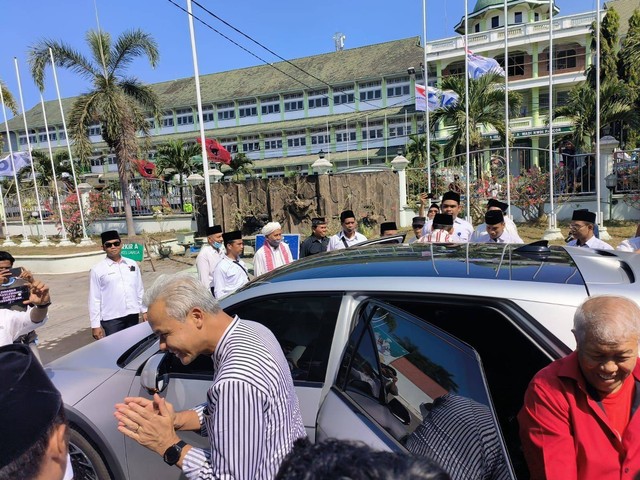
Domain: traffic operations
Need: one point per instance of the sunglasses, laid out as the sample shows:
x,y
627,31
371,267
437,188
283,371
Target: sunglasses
x,y
112,244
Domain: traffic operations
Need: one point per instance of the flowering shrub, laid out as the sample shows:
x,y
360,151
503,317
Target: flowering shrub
x,y
99,205
529,192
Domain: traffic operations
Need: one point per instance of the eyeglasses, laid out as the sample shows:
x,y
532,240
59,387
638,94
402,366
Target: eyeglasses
x,y
575,226
112,244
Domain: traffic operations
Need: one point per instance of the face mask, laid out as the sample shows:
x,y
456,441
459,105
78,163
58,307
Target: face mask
x,y
274,243
217,245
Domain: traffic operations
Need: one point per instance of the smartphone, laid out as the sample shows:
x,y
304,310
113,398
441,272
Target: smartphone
x,y
16,272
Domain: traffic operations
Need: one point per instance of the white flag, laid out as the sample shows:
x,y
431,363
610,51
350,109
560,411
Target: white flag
x,y
20,160
436,98
421,98
479,65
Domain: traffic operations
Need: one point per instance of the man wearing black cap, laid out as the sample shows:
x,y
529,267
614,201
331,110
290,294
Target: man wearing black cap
x,y
34,443
348,235
581,229
209,256
481,235
317,242
441,231
496,229
450,205
417,223
231,272
387,229
115,290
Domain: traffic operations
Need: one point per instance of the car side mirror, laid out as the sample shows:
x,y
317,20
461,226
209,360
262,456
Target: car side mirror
x,y
152,377
399,411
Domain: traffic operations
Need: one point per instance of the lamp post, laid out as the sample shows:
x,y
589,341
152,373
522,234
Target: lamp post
x,y
611,181
321,166
215,175
399,164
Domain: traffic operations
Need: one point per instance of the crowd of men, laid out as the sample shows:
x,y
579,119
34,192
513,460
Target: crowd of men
x,y
578,418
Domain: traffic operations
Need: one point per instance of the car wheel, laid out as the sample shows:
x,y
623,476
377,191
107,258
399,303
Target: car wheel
x,y
86,462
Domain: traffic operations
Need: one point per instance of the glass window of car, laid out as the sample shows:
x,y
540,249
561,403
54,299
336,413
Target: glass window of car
x,y
425,388
303,324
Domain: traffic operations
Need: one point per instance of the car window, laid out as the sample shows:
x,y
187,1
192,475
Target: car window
x,y
303,324
426,389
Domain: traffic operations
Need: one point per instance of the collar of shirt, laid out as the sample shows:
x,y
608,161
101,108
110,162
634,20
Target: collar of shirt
x,y
217,354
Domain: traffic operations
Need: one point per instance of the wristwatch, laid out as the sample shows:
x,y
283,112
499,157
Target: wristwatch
x,y
172,454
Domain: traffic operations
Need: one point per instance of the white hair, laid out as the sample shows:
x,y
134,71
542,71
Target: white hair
x,y
181,293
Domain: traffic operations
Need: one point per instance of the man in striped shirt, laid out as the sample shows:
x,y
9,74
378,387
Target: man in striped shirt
x,y
252,416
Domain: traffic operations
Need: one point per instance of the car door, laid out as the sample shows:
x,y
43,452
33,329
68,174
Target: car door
x,y
405,385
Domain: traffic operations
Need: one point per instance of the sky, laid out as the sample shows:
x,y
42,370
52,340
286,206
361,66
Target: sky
x,y
290,28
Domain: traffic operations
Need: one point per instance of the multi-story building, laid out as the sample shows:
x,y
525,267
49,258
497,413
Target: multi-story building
x,y
356,105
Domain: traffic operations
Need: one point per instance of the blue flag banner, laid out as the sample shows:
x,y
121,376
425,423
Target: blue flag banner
x,y
20,160
291,239
433,98
479,65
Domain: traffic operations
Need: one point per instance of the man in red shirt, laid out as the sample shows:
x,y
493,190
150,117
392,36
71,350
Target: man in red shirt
x,y
579,419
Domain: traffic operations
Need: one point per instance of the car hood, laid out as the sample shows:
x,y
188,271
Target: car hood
x,y
82,371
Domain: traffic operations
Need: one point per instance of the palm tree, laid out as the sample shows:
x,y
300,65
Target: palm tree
x,y
416,150
177,157
118,102
616,105
486,108
42,165
240,166
10,103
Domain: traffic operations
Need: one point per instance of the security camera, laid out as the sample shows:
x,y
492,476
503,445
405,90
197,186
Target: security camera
x,y
411,71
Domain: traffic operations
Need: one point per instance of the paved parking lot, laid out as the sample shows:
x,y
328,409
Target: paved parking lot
x,y
68,326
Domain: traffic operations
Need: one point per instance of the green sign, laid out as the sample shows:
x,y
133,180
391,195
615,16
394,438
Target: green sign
x,y
134,251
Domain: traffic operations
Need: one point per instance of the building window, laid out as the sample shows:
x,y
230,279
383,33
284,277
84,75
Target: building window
x,y
516,65
293,105
399,128
92,130
272,144
319,138
536,17
296,139
167,119
398,91
562,98
248,112
229,144
270,105
250,144
517,17
151,123
495,22
226,111
62,136
345,136
456,69
318,102
565,59
342,95
370,91
184,116
476,28
374,130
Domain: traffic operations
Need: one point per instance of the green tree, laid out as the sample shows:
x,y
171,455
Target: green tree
x,y
10,103
118,102
416,150
629,72
486,108
609,45
240,166
42,165
616,105
176,157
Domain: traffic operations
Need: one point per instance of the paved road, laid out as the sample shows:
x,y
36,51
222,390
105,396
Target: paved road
x,y
68,327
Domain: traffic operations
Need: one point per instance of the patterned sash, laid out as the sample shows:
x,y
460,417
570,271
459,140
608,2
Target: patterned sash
x,y
268,255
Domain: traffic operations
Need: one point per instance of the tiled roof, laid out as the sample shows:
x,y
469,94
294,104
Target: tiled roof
x,y
340,67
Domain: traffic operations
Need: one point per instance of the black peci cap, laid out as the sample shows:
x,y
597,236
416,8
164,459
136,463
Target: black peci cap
x,y
493,217
450,195
213,230
346,214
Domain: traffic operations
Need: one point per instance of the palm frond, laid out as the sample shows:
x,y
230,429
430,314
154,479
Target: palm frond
x,y
129,46
64,56
9,101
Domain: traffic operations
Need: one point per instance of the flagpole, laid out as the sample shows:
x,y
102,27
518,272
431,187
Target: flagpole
x,y
64,242
86,241
366,118
604,235
346,123
507,154
25,238
205,160
44,241
427,127
8,242
466,106
552,232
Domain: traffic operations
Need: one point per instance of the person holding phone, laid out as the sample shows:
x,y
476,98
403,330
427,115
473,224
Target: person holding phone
x,y
15,323
115,290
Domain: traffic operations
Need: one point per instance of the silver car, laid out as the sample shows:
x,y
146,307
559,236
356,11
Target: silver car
x,y
374,337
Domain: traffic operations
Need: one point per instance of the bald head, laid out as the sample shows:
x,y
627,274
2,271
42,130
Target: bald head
x,y
607,320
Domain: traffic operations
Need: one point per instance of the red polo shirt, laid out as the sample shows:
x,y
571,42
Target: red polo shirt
x,y
566,434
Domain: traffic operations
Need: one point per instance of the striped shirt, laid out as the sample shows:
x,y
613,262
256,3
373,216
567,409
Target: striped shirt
x,y
252,415
460,434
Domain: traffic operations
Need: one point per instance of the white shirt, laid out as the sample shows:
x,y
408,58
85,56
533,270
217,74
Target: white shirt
x,y
336,243
14,323
260,259
462,230
115,290
252,415
506,237
593,242
438,236
229,276
509,227
629,245
206,262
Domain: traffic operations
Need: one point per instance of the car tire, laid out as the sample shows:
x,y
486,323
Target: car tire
x,y
86,462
